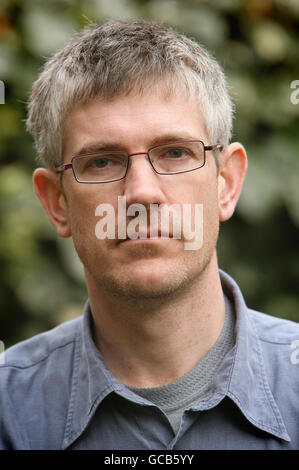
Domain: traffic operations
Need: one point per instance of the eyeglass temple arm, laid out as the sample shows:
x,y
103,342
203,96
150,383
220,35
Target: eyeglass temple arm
x,y
63,167
214,147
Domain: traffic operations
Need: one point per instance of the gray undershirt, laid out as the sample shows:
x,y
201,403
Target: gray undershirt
x,y
174,398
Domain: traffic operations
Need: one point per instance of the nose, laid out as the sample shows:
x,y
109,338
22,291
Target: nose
x,y
142,184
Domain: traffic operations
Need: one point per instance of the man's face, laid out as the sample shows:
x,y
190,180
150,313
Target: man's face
x,y
139,268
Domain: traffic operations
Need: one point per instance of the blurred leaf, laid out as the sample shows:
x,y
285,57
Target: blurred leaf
x,y
115,10
270,41
45,30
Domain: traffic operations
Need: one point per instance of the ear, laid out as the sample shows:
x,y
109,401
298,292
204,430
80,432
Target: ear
x,y
232,171
49,191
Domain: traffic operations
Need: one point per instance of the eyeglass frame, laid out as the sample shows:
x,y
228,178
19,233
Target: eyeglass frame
x,y
66,166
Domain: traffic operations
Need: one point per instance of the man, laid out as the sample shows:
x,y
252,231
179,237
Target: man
x,y
129,117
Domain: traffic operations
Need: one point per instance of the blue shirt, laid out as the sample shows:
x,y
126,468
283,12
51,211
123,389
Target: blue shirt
x,y
57,393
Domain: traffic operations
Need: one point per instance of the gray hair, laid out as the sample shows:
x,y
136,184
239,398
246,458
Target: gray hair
x,y
115,59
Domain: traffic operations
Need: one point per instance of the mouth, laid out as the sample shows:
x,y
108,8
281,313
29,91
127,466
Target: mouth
x,y
147,236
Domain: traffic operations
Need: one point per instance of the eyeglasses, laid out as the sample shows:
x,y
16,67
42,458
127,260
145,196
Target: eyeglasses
x,y
106,166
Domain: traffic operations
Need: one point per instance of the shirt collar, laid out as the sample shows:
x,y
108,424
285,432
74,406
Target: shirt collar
x,y
248,385
91,382
241,376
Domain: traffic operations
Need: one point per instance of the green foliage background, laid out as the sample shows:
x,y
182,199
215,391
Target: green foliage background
x,y
257,43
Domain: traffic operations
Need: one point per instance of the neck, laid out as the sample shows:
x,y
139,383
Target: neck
x,y
153,342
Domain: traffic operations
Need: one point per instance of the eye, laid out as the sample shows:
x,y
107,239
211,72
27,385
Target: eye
x,y
100,162
176,153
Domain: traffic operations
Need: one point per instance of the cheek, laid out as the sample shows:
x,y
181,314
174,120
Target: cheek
x,y
83,200
81,211
211,206
207,195
83,220
204,191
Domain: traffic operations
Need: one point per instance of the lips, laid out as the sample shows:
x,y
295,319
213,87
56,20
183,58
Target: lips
x,y
146,235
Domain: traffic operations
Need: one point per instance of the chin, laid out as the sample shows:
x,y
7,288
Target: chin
x,y
141,291
146,278
145,285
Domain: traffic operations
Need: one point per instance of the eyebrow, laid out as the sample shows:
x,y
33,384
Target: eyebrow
x,y
97,146
163,139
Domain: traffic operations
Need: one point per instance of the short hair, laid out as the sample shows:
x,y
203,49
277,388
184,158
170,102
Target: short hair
x,y
114,59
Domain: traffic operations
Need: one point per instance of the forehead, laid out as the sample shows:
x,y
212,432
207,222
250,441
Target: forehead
x,y
134,121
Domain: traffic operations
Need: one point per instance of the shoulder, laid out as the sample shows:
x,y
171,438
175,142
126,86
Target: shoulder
x,y
279,350
45,354
39,348
279,340
37,373
274,330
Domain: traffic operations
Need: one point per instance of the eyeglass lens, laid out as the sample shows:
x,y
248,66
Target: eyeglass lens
x,y
165,159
